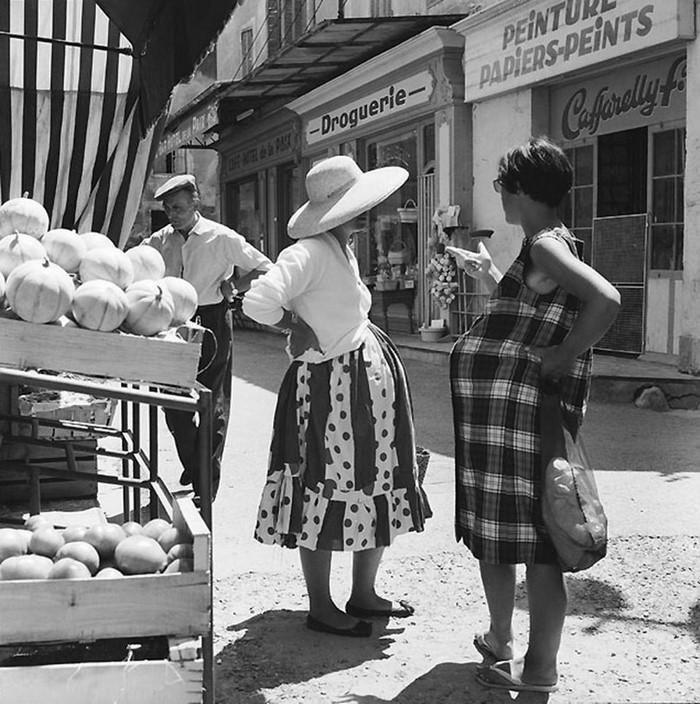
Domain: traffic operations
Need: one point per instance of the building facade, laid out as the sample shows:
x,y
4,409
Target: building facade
x,y
609,81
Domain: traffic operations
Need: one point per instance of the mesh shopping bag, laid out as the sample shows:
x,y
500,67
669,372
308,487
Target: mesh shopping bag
x,y
571,508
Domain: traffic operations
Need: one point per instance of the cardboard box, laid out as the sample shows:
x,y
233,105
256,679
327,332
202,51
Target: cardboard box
x,y
168,359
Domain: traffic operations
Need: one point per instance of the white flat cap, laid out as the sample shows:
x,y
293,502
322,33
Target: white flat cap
x,y
176,183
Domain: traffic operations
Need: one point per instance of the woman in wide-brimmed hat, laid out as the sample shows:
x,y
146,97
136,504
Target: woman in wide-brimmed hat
x,y
342,472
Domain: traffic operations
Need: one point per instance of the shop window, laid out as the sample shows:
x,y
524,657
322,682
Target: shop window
x,y
668,165
577,208
175,162
622,173
243,210
388,247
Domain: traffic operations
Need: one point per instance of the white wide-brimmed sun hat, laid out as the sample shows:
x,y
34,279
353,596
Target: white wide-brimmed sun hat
x,y
339,190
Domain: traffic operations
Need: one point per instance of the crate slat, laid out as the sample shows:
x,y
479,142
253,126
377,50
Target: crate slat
x,y
88,609
158,360
142,682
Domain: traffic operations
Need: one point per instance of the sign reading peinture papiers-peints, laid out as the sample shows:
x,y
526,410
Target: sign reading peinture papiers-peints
x,y
389,101
537,41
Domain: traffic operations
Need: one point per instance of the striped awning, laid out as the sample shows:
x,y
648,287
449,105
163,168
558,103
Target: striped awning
x,y
78,127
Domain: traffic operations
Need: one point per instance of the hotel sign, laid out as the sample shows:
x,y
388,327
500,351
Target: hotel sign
x,y
387,102
538,41
192,128
260,153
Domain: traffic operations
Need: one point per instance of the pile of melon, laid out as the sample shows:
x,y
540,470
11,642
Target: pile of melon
x,y
103,551
84,280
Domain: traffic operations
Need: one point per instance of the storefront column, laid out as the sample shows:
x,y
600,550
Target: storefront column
x,y
455,156
689,341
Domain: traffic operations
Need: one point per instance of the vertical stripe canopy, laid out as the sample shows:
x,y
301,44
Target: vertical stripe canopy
x,y
83,89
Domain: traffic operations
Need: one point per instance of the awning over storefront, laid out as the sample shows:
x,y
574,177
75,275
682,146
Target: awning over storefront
x,y
327,50
83,84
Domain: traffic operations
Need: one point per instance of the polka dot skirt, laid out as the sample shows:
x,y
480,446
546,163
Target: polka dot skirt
x,y
342,472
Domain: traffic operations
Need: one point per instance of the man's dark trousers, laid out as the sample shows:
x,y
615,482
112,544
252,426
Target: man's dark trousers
x,y
215,370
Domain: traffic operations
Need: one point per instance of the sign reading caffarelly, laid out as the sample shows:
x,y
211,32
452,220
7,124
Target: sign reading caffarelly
x,y
631,97
389,101
538,41
260,153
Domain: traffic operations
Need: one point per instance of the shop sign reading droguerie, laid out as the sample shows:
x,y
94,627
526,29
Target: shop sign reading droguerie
x,y
389,101
531,44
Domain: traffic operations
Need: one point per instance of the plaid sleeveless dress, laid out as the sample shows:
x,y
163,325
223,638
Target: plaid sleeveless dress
x,y
495,383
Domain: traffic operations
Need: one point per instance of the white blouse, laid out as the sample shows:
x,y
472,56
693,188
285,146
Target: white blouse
x,y
315,279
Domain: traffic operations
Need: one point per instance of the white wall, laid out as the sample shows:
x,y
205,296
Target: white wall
x,y
498,125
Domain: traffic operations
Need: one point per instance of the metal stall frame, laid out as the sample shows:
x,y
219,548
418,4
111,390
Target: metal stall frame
x,y
145,475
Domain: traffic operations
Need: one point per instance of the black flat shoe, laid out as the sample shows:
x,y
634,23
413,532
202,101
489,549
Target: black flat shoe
x,y
404,611
362,629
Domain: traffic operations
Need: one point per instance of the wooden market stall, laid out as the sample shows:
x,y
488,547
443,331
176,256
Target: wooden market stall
x,y
153,632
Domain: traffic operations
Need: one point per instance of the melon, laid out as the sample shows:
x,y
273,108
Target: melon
x,y
96,240
37,520
139,554
46,541
107,264
132,528
170,537
68,568
184,297
181,564
39,292
81,551
26,567
151,308
23,215
147,261
71,534
12,543
18,249
105,538
180,550
65,248
156,527
99,305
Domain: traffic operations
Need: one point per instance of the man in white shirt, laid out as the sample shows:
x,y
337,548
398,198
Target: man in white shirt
x,y
205,253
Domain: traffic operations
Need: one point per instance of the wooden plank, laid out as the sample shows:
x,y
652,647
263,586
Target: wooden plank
x,y
89,609
140,682
186,518
164,359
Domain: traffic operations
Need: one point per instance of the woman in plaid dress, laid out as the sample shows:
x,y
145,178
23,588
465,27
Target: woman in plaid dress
x,y
544,315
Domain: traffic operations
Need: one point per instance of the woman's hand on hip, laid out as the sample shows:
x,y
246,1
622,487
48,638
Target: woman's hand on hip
x,y
555,362
302,338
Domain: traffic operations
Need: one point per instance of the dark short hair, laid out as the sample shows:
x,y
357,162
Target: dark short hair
x,y
538,168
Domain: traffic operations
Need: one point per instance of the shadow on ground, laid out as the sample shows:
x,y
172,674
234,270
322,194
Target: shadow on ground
x,y
450,683
274,649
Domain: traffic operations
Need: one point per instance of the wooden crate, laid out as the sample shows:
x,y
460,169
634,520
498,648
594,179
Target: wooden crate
x,y
176,606
170,358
